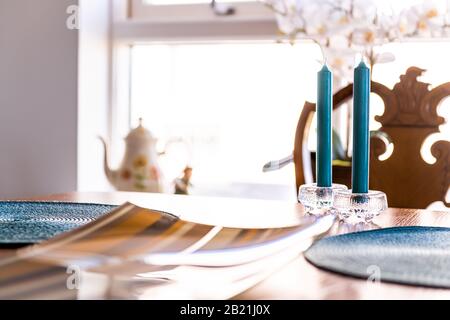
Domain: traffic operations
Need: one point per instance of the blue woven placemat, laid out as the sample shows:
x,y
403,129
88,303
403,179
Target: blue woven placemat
x,y
408,255
33,222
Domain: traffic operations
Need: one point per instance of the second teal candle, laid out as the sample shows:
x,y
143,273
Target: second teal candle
x,y
360,159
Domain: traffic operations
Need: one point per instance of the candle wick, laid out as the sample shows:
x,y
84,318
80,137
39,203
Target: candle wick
x,y
359,59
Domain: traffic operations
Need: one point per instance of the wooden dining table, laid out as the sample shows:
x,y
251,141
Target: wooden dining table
x,y
298,279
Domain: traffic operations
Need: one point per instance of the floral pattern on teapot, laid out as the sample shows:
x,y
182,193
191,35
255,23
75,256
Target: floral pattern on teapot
x,y
139,170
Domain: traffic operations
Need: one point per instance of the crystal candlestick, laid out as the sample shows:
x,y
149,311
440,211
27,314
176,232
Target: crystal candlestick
x,y
318,200
359,207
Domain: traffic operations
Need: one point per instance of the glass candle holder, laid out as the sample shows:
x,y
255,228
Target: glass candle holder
x,y
359,207
318,200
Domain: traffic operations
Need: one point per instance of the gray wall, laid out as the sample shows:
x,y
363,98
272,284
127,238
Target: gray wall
x,y
38,98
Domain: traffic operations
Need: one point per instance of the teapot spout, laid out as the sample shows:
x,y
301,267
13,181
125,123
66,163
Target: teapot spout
x,y
110,174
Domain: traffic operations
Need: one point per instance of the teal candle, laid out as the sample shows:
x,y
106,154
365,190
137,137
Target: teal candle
x,y
360,161
324,110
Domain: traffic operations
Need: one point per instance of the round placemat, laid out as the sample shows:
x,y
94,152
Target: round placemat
x,y
408,255
33,222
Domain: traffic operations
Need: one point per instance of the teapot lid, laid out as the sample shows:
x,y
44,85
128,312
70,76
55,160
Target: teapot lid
x,y
140,133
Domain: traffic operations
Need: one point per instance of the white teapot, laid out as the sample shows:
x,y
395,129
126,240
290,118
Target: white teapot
x,y
139,170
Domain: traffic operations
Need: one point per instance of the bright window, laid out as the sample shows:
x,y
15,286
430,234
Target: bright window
x,y
237,104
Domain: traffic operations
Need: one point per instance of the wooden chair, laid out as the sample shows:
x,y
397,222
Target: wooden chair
x,y
410,116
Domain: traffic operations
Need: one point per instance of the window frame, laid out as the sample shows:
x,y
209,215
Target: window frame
x,y
136,22
133,22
